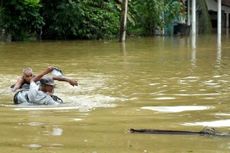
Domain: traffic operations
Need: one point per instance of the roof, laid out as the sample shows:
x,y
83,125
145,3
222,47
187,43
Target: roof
x,y
212,5
225,2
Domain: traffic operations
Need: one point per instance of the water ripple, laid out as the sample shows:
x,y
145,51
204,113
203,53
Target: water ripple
x,y
198,94
176,109
217,123
165,98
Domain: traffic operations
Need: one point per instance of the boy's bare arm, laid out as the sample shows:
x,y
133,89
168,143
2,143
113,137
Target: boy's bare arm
x,y
18,84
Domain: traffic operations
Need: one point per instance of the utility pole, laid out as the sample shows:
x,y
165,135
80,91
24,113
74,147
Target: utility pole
x,y
124,12
219,27
193,17
219,17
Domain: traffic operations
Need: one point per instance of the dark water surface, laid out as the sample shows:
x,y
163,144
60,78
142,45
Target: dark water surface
x,y
157,83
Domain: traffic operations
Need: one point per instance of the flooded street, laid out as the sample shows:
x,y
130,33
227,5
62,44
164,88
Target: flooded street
x,y
150,83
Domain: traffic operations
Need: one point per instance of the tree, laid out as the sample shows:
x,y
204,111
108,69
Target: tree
x,y
84,19
123,21
21,18
150,15
77,19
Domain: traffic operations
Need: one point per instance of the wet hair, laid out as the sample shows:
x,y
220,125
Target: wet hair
x,y
26,70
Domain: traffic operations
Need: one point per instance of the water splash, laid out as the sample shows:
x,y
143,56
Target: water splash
x,y
85,97
89,102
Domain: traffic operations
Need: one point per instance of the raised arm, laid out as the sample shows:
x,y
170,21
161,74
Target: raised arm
x,y
46,71
70,81
50,69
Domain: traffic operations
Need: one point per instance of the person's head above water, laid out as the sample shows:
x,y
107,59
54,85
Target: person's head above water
x,y
47,85
27,74
47,81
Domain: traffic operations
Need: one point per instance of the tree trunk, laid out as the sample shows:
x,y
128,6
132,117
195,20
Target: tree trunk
x,y
124,11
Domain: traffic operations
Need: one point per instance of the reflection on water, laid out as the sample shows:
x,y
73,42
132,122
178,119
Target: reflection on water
x,y
222,114
193,54
39,146
219,50
176,109
78,119
218,123
164,98
56,132
35,124
120,86
34,146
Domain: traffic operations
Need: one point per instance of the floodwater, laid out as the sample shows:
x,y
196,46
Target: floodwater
x,y
151,83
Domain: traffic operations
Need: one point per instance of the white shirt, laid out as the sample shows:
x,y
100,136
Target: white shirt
x,y
39,97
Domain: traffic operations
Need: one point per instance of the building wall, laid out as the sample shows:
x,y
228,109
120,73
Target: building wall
x,y
212,5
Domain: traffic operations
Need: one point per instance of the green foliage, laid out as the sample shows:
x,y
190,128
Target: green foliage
x,y
21,18
84,19
87,19
150,15
1,16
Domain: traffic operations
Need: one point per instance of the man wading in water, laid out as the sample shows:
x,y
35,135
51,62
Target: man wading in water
x,y
41,94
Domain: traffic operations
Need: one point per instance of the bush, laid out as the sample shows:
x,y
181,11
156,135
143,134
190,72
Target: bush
x,y
150,15
77,19
21,18
83,19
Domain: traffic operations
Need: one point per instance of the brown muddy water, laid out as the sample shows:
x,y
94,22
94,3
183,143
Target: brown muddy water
x,y
153,83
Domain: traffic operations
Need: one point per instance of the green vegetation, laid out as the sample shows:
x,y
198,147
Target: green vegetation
x,y
21,18
84,19
151,15
77,19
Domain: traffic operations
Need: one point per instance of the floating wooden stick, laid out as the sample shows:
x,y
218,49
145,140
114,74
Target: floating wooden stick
x,y
205,131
